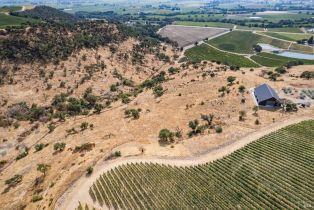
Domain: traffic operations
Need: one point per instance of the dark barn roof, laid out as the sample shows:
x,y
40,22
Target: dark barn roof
x,y
265,92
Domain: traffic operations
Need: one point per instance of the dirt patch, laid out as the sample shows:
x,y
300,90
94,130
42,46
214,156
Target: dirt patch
x,y
187,35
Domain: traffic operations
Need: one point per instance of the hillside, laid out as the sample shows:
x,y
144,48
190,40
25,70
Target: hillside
x,y
48,14
240,178
78,95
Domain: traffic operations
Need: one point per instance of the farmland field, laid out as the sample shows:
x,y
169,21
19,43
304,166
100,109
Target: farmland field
x,y
205,52
288,36
205,24
303,48
291,30
272,60
187,35
274,172
243,41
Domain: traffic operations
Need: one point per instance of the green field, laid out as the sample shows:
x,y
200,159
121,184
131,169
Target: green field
x,y
269,17
243,41
303,48
288,36
204,24
8,20
291,30
10,9
272,60
205,52
274,172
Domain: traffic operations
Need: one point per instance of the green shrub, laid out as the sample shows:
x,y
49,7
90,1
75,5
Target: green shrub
x,y
218,129
37,198
89,170
14,181
166,136
84,147
134,113
59,147
39,147
22,155
51,127
2,163
158,91
117,154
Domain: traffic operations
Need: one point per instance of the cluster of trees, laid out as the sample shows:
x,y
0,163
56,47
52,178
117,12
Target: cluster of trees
x,y
307,75
61,106
48,14
55,41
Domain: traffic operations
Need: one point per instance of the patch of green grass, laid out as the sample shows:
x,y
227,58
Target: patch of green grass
x,y
302,48
274,172
284,16
8,20
243,42
205,24
273,60
10,9
287,36
205,52
291,30
250,28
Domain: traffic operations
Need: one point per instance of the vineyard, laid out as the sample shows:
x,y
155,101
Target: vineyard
x,y
274,172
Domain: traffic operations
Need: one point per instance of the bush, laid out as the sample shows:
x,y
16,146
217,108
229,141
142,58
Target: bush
x,y
117,154
135,113
84,126
291,107
39,147
2,163
241,89
173,70
158,91
231,79
89,170
59,147
14,181
37,198
166,136
84,147
281,70
51,127
307,75
218,129
22,155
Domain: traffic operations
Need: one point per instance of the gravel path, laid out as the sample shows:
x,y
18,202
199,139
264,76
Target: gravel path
x,y
79,190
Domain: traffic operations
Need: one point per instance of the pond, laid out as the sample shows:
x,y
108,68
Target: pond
x,y
297,55
285,53
268,47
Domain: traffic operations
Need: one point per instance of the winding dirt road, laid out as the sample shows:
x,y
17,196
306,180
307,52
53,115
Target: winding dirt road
x,y
79,190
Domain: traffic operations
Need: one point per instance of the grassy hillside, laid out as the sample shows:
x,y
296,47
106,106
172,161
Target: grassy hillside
x,y
275,172
272,60
10,9
205,52
8,20
243,41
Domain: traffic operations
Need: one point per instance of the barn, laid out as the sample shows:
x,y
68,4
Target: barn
x,y
266,96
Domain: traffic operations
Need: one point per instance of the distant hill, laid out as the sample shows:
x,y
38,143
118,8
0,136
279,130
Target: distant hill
x,y
48,14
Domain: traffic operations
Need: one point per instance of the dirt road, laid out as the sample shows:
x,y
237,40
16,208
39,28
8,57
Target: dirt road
x,y
79,190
